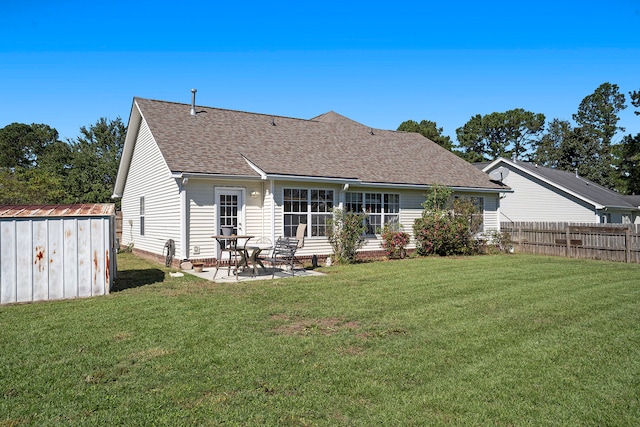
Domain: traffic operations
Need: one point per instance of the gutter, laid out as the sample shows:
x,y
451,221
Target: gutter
x,y
181,175
355,181
630,207
338,181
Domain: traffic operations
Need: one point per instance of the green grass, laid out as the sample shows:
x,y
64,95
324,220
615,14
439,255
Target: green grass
x,y
488,340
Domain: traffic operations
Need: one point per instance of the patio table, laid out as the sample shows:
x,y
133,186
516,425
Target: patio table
x,y
230,244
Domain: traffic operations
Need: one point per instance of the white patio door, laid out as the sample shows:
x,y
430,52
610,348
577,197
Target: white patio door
x,y
230,210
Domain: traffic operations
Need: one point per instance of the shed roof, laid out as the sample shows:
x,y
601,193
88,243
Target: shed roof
x,y
32,211
225,142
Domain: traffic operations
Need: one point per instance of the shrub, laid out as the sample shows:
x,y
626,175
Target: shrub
x,y
442,233
499,241
446,227
394,241
346,234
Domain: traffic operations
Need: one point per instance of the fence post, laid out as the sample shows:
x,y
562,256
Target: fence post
x,y
568,236
519,238
627,245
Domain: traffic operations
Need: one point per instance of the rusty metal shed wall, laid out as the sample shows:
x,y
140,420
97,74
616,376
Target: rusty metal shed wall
x,y
56,252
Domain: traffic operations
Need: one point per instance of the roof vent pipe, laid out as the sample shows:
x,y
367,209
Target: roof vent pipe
x,y
193,101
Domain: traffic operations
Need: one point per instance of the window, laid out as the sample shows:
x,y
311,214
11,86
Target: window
x,y
477,218
381,208
307,206
228,211
142,216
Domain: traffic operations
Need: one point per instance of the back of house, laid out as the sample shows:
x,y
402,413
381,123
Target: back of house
x,y
187,171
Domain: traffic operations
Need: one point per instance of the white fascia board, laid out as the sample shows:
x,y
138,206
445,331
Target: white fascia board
x,y
182,175
304,178
133,128
492,164
427,187
482,190
359,183
551,183
622,208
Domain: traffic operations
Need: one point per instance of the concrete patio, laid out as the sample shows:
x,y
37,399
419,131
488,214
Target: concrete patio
x,y
224,276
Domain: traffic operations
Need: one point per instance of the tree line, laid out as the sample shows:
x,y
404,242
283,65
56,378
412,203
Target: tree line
x,y
587,147
36,167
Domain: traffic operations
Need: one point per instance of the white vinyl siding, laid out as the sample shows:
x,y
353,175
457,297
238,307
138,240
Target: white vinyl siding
x,y
534,200
201,218
490,212
149,176
258,210
202,215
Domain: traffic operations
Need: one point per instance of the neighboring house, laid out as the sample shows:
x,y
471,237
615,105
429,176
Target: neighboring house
x,y
634,201
544,194
187,171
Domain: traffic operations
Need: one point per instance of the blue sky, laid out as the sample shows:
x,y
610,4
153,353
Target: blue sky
x,y
66,63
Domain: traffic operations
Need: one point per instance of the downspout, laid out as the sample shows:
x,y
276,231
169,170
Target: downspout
x,y
342,196
263,198
184,243
273,212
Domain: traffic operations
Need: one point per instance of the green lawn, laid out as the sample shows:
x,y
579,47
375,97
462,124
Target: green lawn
x,y
487,340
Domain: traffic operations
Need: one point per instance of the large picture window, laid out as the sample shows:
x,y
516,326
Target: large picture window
x,y
307,206
381,208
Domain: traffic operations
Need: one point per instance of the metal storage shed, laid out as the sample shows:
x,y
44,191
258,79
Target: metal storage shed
x,y
56,251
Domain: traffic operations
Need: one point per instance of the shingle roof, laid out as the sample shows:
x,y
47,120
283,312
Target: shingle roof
x,y
588,190
215,140
633,200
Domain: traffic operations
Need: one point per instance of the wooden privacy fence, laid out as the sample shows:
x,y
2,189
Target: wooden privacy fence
x,y
611,242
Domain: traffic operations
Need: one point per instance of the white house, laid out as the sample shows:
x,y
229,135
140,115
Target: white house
x,y
186,171
542,194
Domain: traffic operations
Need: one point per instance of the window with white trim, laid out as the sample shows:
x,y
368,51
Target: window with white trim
x,y
477,218
381,208
307,206
142,216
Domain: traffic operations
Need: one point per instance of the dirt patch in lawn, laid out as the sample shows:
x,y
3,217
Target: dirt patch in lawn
x,y
323,326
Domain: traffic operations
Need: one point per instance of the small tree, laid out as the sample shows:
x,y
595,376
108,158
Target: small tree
x,y
346,234
439,199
